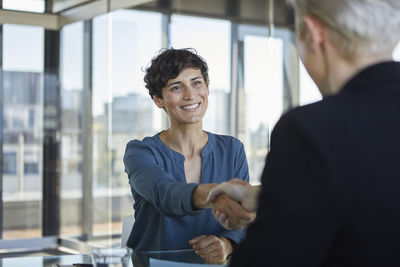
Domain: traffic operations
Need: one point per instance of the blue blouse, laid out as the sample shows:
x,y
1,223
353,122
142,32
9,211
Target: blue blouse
x,y
165,218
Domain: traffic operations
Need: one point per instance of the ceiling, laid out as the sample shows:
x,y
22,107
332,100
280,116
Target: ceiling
x,y
62,12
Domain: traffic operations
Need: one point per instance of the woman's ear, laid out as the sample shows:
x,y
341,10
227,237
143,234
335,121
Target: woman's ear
x,y
314,32
158,101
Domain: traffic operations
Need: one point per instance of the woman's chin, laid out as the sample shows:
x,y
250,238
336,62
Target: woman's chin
x,y
195,120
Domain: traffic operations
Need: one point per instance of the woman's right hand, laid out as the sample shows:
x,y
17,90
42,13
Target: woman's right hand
x,y
230,214
240,191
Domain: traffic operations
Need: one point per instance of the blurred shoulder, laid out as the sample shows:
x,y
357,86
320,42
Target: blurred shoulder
x,y
226,141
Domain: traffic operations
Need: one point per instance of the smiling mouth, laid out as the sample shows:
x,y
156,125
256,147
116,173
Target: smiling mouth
x,y
191,107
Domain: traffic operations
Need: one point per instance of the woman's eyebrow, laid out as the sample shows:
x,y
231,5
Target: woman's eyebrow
x,y
178,82
168,85
195,78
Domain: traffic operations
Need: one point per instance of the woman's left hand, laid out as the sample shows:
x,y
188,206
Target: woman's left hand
x,y
211,248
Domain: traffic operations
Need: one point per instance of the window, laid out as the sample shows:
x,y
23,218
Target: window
x,y
31,168
71,76
396,53
309,92
211,39
122,107
22,85
263,88
10,163
31,121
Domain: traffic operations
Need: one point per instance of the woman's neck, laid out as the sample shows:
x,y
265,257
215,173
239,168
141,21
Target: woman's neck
x,y
188,140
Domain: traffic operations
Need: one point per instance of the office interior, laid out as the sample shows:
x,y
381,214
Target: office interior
x,y
72,95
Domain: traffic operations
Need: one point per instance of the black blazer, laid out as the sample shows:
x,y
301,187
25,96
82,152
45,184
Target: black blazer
x,y
331,183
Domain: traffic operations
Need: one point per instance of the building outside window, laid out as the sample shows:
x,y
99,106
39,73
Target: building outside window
x,y
71,77
10,163
22,143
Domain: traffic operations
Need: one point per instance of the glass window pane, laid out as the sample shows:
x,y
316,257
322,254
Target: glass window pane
x,y
18,56
71,128
211,39
263,83
309,92
124,42
22,144
24,5
10,163
396,53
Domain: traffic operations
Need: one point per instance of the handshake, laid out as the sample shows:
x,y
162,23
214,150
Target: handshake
x,y
234,203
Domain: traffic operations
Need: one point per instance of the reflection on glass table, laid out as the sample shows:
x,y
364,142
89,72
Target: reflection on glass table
x,y
186,257
168,258
46,261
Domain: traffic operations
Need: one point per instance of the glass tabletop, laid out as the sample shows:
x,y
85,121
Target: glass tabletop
x,y
139,259
45,261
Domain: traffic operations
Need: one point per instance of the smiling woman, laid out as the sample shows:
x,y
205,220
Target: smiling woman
x,y
185,98
172,172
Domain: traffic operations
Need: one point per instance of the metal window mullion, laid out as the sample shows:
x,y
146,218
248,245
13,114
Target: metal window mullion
x,y
87,132
51,135
241,94
166,34
165,43
237,95
1,129
233,115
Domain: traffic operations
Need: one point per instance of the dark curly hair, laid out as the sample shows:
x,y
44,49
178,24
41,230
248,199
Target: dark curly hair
x,y
168,64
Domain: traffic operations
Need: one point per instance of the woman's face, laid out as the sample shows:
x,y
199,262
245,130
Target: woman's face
x,y
185,98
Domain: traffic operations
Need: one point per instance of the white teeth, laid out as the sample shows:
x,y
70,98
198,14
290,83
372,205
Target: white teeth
x,y
190,107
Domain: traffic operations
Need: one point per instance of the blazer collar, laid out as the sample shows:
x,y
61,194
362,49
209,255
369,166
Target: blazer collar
x,y
377,75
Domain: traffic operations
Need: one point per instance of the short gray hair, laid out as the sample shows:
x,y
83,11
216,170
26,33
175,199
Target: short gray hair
x,y
358,27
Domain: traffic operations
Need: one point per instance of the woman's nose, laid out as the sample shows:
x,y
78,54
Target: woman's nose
x,y
188,97
188,94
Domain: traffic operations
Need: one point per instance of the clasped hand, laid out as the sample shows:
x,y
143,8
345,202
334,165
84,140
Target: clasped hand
x,y
233,203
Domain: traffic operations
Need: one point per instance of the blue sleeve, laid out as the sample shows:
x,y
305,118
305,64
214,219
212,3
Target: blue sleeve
x,y
241,172
154,184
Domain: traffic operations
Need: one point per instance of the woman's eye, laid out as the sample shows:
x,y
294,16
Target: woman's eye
x,y
197,82
175,88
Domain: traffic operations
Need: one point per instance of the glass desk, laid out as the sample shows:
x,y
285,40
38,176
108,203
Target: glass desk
x,y
45,261
139,259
